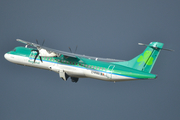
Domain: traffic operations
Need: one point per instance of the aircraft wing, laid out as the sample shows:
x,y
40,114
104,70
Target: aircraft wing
x,y
68,54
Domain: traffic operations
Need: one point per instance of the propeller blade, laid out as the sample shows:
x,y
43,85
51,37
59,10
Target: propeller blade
x,y
37,41
75,49
43,42
37,55
70,49
40,58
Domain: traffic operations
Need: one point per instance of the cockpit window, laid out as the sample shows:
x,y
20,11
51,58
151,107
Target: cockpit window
x,y
14,50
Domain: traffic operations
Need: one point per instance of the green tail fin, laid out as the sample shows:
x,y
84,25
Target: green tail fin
x,y
146,60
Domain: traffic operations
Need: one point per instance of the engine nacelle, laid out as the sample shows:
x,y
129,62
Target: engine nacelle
x,y
44,53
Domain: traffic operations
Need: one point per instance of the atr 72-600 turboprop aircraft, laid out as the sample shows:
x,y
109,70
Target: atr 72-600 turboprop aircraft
x,y
80,66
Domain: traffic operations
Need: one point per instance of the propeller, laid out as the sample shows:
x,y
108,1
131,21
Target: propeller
x,y
37,41
37,55
43,42
74,50
38,51
70,49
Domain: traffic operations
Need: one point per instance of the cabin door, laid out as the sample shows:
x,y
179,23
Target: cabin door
x,y
32,56
109,71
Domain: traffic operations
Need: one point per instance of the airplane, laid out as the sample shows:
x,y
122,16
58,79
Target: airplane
x,y
75,66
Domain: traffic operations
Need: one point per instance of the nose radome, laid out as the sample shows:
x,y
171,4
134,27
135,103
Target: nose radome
x,y
6,56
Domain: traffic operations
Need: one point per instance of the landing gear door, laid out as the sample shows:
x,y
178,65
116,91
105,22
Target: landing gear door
x,y
109,71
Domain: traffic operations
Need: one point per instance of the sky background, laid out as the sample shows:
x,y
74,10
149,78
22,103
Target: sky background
x,y
109,29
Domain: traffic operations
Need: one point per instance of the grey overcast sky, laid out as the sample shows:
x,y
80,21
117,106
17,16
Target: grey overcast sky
x,y
104,28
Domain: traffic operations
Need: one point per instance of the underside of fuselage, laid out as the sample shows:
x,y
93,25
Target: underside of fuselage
x,y
71,71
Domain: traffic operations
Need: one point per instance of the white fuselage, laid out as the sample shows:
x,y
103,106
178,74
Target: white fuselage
x,y
72,71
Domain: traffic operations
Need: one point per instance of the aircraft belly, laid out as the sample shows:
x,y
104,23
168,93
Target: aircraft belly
x,y
121,78
103,75
73,71
70,70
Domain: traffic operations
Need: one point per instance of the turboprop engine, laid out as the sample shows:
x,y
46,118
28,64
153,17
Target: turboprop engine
x,y
43,53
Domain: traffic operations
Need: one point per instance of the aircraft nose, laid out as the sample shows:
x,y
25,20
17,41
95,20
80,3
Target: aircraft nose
x,y
6,56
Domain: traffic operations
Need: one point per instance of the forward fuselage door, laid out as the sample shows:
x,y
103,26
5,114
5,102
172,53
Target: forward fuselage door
x,y
32,56
109,71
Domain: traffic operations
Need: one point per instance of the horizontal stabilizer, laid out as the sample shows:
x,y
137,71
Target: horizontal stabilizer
x,y
155,47
146,60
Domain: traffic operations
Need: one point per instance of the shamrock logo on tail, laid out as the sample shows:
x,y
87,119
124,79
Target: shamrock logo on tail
x,y
144,58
